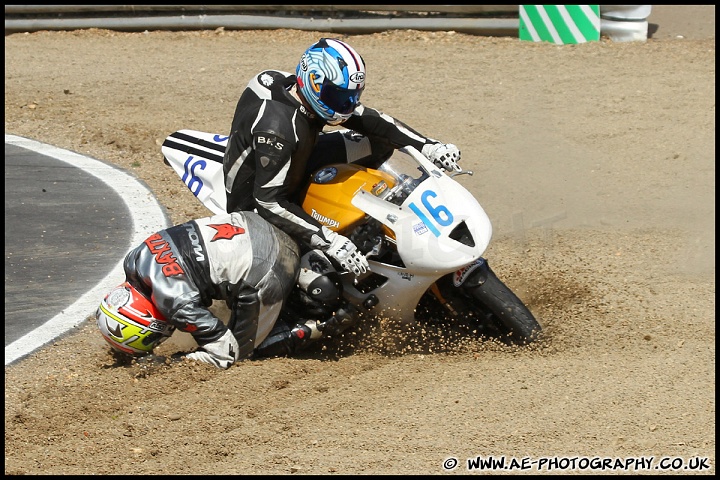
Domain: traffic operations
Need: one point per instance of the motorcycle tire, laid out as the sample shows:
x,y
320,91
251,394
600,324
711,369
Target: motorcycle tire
x,y
506,308
487,307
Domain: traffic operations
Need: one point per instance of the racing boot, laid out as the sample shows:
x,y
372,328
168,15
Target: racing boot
x,y
284,341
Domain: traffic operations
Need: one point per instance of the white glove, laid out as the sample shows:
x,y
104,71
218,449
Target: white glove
x,y
345,252
222,353
444,155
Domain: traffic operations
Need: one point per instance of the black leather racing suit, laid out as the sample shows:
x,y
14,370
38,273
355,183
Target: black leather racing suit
x,y
275,143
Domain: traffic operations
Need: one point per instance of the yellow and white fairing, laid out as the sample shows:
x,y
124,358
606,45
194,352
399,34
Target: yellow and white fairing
x,y
329,195
425,213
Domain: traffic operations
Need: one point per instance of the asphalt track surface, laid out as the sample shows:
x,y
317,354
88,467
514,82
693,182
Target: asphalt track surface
x,y
69,221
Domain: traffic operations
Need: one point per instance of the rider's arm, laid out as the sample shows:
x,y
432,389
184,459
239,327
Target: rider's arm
x,y
179,300
216,343
194,318
372,122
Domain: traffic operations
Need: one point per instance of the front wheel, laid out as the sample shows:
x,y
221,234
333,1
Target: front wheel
x,y
481,301
504,308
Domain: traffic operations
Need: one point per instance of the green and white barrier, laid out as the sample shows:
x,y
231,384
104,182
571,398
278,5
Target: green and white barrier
x,y
560,24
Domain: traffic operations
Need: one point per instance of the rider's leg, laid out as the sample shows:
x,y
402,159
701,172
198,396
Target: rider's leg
x,y
243,323
286,339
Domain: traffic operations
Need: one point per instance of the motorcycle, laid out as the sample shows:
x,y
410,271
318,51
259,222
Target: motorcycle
x,y
422,232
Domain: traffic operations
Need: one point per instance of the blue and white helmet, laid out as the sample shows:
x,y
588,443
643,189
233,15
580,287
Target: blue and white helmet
x,y
331,77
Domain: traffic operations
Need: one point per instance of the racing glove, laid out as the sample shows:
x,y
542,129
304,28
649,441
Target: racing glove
x,y
222,353
345,252
444,155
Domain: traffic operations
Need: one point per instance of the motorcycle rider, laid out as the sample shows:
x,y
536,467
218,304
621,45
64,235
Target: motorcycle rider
x,y
173,277
277,140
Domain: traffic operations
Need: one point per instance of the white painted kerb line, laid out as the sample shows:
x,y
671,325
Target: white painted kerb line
x,y
147,217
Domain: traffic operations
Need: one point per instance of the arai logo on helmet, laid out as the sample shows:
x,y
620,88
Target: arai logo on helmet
x,y
357,77
303,63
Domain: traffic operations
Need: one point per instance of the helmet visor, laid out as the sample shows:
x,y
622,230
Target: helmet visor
x,y
342,100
